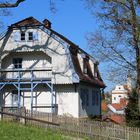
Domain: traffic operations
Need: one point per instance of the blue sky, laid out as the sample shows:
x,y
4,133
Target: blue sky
x,y
72,20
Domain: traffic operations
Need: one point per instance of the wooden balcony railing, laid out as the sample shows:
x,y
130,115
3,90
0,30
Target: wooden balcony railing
x,y
26,74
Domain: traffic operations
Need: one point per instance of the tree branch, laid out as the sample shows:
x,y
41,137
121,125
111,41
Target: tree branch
x,y
10,5
120,2
119,55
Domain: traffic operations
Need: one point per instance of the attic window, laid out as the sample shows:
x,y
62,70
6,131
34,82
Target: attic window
x,y
95,70
85,69
30,36
22,37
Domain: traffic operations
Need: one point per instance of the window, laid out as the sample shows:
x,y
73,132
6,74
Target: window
x,y
14,98
17,62
95,70
22,37
114,98
84,97
95,98
30,36
85,70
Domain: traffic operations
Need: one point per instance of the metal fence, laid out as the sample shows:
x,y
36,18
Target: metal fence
x,y
67,125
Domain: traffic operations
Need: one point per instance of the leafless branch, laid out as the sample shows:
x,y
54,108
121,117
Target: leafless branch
x,y
10,5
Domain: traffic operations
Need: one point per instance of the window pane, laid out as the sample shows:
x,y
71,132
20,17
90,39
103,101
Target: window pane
x,y
30,35
85,65
17,62
22,35
95,70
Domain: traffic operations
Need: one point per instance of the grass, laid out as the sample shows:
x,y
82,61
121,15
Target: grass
x,y
13,131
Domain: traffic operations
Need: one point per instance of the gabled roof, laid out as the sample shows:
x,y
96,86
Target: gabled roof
x,y
74,49
30,21
118,106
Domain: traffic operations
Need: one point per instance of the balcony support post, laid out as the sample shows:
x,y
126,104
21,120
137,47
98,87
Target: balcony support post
x,y
31,96
32,87
19,97
51,98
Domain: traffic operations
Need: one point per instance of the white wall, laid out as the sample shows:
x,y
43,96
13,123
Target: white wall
x,y
119,89
67,100
118,93
31,60
60,57
116,97
41,96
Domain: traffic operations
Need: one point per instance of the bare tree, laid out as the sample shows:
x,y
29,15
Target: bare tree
x,y
118,40
7,4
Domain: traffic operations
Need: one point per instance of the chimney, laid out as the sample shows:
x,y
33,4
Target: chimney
x,y
47,23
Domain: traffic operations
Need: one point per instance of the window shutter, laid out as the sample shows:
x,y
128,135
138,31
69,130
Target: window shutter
x,y
35,35
17,36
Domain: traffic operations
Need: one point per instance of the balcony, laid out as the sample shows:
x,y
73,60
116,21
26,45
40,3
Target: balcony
x,y
26,74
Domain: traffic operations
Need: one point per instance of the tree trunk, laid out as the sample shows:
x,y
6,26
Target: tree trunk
x,y
136,46
138,81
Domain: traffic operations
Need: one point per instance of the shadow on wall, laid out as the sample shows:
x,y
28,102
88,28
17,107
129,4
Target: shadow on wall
x,y
46,46
89,103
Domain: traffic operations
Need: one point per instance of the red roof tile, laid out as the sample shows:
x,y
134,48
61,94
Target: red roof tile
x,y
117,106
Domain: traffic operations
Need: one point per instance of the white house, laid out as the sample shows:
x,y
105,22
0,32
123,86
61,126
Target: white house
x,y
118,93
42,70
119,98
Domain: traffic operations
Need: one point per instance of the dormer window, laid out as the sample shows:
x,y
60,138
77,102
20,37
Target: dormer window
x,y
95,70
30,36
22,37
85,69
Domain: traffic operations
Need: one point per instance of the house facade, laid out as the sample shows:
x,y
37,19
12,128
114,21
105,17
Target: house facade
x,y
119,99
42,70
118,93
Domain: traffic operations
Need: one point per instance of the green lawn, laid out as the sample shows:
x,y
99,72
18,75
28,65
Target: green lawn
x,y
13,131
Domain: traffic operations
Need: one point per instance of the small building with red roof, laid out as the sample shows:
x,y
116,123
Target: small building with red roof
x,y
120,92
119,99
